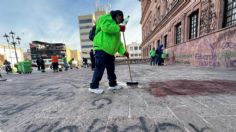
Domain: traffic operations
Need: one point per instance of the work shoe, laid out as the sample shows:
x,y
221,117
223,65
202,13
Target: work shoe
x,y
117,87
96,91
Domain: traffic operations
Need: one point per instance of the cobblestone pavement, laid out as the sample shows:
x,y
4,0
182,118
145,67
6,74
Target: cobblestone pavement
x,y
174,98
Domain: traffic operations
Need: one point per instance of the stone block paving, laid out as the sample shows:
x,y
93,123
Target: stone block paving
x,y
174,98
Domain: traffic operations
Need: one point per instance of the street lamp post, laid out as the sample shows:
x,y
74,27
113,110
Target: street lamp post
x,y
9,46
13,42
18,41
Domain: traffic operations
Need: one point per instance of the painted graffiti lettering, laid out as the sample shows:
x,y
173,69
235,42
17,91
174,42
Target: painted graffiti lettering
x,y
58,95
68,129
168,126
7,107
46,127
93,125
142,126
205,57
100,103
99,125
54,125
214,51
4,121
35,128
51,89
183,62
13,109
114,128
228,45
197,129
64,95
209,63
207,60
227,54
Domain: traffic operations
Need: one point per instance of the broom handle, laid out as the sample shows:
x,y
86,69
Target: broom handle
x,y
127,57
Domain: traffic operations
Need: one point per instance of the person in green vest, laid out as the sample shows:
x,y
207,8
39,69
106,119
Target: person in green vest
x,y
152,55
106,43
165,56
70,63
64,60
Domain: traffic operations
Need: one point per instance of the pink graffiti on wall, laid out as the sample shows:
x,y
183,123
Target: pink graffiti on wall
x,y
215,50
229,51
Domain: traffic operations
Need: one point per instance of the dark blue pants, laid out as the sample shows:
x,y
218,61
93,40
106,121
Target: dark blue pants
x,y
160,60
102,61
153,61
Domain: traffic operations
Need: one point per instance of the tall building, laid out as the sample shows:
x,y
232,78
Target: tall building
x,y
7,52
86,23
196,32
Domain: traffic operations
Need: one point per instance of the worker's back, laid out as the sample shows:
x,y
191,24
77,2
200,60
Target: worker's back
x,y
54,59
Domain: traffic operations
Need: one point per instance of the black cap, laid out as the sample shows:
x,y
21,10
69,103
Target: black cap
x,y
116,13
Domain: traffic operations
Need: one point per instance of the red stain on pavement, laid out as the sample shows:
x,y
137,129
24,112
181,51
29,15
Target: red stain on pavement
x,y
192,87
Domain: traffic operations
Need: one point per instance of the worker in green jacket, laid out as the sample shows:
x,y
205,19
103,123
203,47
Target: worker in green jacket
x,y
106,43
152,55
64,60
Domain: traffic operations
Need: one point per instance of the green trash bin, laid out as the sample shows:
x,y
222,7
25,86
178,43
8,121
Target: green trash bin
x,y
24,67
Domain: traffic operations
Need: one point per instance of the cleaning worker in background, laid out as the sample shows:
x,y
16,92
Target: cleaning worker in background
x,y
92,59
107,42
38,63
165,57
55,63
64,60
42,64
70,63
159,52
152,55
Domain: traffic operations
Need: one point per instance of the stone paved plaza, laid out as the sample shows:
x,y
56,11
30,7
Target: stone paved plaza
x,y
173,98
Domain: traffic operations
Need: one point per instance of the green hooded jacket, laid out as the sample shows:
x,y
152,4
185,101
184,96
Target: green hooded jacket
x,y
64,59
152,53
108,37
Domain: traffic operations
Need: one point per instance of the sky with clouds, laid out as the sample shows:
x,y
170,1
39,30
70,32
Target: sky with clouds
x,y
56,20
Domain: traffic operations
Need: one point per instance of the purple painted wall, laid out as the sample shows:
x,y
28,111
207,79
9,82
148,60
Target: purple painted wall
x,y
214,50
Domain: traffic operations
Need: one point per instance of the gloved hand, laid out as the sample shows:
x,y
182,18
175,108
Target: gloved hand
x,y
126,54
122,28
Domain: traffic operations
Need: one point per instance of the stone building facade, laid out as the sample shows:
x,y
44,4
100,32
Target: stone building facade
x,y
196,32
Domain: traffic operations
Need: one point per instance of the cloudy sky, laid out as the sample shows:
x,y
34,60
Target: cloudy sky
x,y
56,20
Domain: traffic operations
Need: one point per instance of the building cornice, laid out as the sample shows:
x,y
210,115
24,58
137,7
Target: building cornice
x,y
176,9
145,10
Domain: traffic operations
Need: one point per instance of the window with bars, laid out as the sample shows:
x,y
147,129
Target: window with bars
x,y
165,41
230,13
158,43
193,25
178,33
